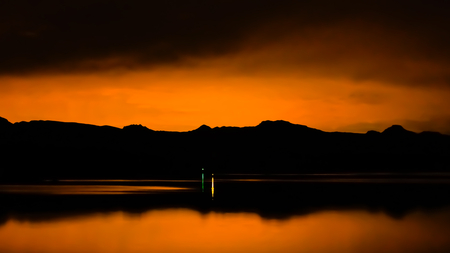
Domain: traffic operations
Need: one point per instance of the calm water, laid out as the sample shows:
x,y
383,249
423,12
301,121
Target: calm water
x,y
247,214
185,230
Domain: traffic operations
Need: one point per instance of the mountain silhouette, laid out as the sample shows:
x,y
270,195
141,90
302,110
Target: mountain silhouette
x,y
39,150
397,130
202,128
4,123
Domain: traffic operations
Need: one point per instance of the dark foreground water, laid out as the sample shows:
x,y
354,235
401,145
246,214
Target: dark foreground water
x,y
248,213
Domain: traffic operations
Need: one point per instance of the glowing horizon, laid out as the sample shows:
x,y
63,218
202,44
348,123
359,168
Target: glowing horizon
x,y
306,63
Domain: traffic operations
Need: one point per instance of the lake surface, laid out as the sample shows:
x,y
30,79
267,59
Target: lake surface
x,y
248,213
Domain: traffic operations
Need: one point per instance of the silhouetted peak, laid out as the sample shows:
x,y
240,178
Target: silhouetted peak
x,y
52,126
281,125
4,122
136,128
396,130
373,132
276,123
203,128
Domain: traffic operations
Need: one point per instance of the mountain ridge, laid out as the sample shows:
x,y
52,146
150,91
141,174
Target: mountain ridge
x,y
51,149
266,124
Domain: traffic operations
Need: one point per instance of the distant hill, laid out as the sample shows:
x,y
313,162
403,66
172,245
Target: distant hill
x,y
38,150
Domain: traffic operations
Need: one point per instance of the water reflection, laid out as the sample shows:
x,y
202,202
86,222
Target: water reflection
x,y
253,214
185,230
376,178
88,189
125,180
203,182
212,186
349,180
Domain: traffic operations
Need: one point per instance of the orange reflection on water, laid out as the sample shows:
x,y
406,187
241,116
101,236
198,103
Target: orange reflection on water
x,y
87,189
183,230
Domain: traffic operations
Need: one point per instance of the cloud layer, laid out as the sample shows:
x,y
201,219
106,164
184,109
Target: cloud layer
x,y
401,42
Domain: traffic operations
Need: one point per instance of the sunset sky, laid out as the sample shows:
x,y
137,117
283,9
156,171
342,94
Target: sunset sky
x,y
177,64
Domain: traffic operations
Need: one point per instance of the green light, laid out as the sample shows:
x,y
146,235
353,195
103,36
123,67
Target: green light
x,y
203,182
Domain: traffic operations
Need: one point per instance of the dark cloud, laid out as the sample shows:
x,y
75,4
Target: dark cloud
x,y
366,39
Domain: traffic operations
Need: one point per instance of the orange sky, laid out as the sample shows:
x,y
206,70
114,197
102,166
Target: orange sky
x,y
355,70
180,100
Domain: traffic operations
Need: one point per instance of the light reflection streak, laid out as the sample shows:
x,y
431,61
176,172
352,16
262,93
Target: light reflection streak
x,y
125,180
349,180
212,186
88,189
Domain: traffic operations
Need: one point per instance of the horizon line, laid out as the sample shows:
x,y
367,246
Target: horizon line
x,y
204,126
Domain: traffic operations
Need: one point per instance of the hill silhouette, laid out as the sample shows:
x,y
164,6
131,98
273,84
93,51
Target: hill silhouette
x,y
39,150
397,130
